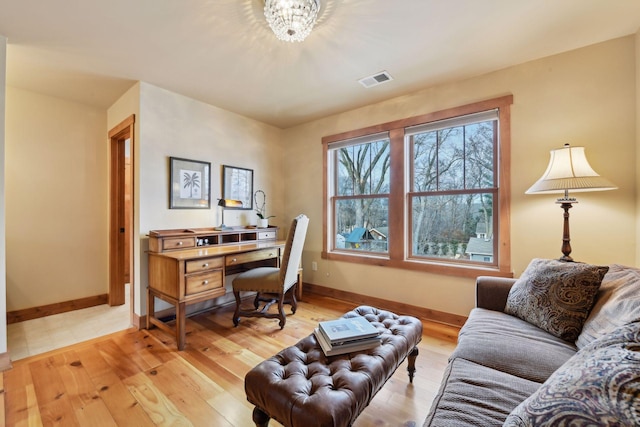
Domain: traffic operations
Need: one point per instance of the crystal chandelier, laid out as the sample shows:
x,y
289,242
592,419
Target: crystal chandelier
x,y
291,20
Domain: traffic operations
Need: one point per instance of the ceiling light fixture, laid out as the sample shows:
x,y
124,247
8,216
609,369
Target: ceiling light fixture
x,y
291,20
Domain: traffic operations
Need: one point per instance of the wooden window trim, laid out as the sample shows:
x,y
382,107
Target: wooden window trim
x,y
397,247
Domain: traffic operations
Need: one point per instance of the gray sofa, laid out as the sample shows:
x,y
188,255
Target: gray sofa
x,y
509,371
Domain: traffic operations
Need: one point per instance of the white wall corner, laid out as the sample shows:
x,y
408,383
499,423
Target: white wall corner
x,y
3,264
637,91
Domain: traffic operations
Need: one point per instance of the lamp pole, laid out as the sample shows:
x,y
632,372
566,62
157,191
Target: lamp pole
x,y
565,204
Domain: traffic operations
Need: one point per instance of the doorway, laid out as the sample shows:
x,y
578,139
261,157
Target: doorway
x,y
121,146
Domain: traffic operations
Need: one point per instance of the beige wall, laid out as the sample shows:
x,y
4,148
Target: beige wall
x,y
67,145
56,193
584,97
177,126
174,125
637,175
3,284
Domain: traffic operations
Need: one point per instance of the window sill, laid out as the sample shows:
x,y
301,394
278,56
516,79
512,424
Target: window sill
x,y
447,269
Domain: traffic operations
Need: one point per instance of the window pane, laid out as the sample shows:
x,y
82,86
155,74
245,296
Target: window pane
x,y
479,139
424,165
451,159
361,224
453,227
363,169
455,158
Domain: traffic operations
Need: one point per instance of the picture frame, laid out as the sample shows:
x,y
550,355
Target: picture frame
x,y
237,184
190,184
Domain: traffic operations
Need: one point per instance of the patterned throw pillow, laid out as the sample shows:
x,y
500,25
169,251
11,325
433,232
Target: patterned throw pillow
x,y
599,386
556,296
617,303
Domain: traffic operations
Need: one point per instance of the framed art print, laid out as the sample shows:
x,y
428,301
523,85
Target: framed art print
x,y
237,184
190,184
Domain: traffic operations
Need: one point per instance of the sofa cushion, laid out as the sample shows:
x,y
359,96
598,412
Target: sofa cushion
x,y
504,342
474,395
617,303
556,296
600,386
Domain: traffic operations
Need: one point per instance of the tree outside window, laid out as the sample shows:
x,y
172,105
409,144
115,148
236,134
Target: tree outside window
x,y
428,192
361,191
453,187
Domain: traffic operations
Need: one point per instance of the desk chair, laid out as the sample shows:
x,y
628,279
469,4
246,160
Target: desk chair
x,y
274,282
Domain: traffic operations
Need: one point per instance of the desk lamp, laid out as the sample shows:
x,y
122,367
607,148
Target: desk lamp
x,y
226,203
569,169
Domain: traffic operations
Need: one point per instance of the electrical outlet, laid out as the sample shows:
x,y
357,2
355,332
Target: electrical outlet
x,y
314,266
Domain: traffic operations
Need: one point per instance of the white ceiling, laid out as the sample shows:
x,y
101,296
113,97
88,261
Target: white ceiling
x,y
223,53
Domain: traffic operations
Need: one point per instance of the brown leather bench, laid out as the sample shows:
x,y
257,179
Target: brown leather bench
x,y
300,386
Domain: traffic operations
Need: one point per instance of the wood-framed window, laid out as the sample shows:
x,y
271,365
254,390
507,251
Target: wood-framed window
x,y
425,193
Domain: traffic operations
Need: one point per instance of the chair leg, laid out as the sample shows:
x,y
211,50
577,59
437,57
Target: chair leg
x,y
294,300
281,316
236,313
269,300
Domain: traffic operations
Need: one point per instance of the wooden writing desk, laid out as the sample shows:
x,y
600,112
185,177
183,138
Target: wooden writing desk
x,y
185,277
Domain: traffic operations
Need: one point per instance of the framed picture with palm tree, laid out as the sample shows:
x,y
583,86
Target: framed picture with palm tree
x,y
190,184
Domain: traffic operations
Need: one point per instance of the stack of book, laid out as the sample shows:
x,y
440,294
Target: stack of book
x,y
346,335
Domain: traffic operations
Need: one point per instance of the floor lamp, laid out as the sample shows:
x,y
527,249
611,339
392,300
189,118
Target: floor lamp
x,y
569,169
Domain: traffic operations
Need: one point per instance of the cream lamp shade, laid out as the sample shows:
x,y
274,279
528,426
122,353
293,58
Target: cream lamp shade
x,y
569,169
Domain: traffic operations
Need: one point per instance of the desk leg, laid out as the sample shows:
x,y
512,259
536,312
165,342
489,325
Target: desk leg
x,y
299,290
150,308
180,325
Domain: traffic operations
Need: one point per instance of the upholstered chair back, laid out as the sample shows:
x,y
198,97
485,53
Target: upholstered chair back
x,y
293,251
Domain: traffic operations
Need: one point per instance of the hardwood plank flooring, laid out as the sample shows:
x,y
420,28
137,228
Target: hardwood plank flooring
x,y
138,378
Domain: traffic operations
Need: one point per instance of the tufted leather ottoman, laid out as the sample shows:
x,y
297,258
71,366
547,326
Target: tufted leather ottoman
x,y
300,386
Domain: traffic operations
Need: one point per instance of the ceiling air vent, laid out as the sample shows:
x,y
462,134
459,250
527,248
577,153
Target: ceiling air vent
x,y
376,79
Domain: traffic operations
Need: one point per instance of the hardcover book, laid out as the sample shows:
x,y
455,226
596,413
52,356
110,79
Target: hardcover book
x,y
347,329
350,347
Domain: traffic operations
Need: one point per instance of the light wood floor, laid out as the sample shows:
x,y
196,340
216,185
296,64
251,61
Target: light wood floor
x,y
138,378
37,336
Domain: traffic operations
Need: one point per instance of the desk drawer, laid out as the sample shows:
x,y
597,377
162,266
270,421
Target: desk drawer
x,y
203,282
204,264
251,256
266,235
179,243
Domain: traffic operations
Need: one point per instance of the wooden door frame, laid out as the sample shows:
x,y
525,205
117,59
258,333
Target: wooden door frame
x,y
116,200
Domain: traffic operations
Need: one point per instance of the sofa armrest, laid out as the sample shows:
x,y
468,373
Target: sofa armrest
x,y
492,292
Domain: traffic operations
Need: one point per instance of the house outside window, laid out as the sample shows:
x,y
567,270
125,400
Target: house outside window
x,y
360,186
453,187
425,193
